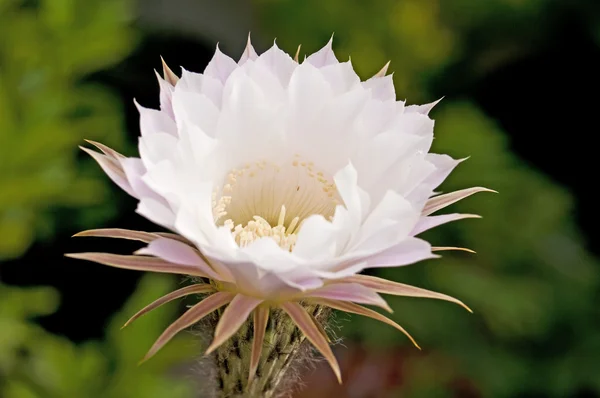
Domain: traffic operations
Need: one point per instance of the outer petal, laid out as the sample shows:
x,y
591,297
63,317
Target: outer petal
x,y
422,109
220,66
153,121
178,253
193,315
382,88
408,252
113,170
324,56
350,292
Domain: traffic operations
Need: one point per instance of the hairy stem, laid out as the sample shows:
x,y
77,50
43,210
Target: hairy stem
x,y
281,349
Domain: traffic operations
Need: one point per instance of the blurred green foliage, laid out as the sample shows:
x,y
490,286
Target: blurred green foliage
x,y
532,285
47,50
36,364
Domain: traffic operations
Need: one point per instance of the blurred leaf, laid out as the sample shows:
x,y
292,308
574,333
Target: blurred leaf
x,y
47,48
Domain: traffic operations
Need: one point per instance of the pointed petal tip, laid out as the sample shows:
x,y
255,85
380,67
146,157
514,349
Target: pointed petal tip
x,y
383,70
445,248
297,56
74,255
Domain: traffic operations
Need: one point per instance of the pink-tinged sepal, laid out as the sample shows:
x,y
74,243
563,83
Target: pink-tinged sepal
x,y
232,319
450,248
385,286
170,77
139,263
113,170
439,202
177,252
185,291
191,316
313,333
359,310
261,319
118,233
353,292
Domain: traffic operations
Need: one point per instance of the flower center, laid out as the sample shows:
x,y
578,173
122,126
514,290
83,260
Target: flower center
x,y
265,199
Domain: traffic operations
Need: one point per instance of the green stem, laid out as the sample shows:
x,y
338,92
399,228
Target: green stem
x,y
281,348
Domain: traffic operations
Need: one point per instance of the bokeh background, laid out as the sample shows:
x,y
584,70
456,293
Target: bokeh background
x,y
520,80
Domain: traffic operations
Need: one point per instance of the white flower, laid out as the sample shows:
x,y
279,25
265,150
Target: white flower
x,y
283,181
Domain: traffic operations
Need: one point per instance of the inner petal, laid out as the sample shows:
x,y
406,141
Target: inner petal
x,y
267,199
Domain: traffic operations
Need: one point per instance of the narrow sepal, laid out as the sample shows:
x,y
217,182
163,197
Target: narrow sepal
x,y
185,291
360,310
138,263
118,233
439,202
445,248
232,319
261,318
313,333
191,316
400,289
106,150
354,292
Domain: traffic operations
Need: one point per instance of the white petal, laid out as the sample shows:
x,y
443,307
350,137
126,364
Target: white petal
x,y
156,148
422,109
220,66
248,54
308,93
155,122
382,88
325,56
341,76
316,240
197,109
166,93
156,212
408,252
444,165
278,62
392,207
209,86
414,123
